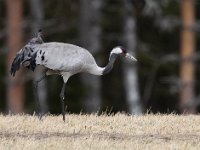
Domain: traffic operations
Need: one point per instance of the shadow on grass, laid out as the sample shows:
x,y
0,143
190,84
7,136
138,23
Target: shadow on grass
x,y
108,136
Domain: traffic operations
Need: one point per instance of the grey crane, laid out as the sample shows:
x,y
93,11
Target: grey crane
x,y
62,59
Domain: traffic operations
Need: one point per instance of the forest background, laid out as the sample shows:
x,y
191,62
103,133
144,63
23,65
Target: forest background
x,y
161,34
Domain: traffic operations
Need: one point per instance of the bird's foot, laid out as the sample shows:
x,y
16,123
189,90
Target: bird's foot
x,y
40,115
63,107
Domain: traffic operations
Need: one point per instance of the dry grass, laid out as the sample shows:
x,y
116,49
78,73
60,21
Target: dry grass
x,y
100,132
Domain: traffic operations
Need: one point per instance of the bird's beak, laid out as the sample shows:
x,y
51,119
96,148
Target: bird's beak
x,y
127,55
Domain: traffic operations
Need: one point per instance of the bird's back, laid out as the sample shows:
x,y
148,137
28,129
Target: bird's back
x,y
64,57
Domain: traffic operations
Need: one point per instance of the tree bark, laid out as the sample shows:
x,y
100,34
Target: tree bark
x,y
130,68
90,32
15,88
187,68
37,12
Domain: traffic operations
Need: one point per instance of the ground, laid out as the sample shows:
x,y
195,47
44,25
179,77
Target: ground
x,y
103,132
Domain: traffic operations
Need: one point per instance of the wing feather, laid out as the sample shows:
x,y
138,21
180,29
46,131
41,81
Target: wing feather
x,y
26,56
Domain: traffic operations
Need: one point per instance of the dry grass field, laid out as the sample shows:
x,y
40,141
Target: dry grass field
x,y
100,132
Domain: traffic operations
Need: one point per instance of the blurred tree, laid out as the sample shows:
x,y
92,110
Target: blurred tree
x,y
15,87
187,69
114,99
130,71
37,13
90,35
138,4
158,49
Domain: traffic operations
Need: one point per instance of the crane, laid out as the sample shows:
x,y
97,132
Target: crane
x,y
62,59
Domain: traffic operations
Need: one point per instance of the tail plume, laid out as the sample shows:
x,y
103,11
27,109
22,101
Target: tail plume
x,y
15,64
27,55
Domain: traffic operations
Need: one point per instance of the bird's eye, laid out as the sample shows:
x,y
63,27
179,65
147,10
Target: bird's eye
x,y
123,50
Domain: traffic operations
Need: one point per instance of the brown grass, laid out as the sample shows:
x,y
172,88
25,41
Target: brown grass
x,y
100,132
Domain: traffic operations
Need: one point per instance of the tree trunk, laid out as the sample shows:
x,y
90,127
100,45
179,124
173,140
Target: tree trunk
x,y
130,68
15,88
187,69
90,32
37,12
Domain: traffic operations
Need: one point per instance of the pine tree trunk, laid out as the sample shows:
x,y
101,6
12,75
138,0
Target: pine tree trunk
x,y
130,68
90,32
36,7
187,70
15,88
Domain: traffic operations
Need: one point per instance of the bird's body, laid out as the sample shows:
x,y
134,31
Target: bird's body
x,y
62,59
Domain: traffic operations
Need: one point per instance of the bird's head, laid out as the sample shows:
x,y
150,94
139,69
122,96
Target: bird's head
x,y
122,52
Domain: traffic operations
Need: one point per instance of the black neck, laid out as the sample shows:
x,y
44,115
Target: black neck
x,y
109,66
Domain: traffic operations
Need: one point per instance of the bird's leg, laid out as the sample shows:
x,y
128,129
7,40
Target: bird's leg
x,y
36,95
62,97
